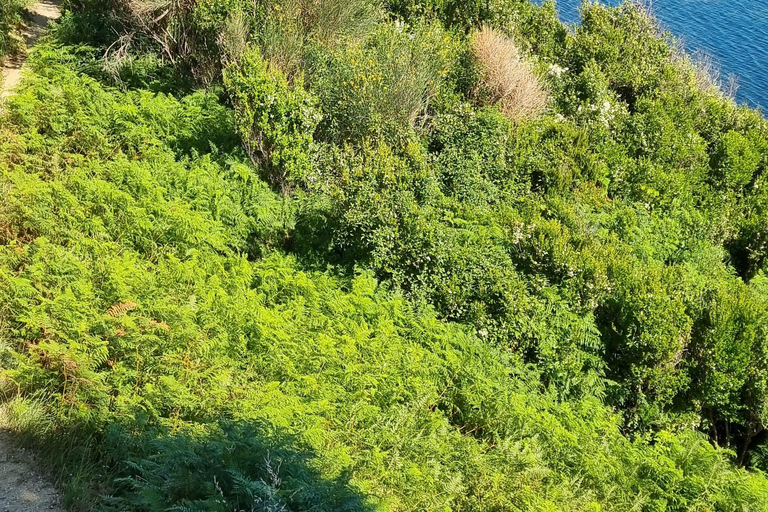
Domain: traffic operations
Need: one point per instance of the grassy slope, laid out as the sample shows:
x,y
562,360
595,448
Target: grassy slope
x,y
165,354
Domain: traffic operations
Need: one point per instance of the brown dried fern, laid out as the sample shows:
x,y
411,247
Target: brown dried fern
x,y
121,309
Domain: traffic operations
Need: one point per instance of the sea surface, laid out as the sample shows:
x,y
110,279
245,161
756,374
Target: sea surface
x,y
732,33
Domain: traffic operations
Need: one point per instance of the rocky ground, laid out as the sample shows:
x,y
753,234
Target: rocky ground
x,y
22,486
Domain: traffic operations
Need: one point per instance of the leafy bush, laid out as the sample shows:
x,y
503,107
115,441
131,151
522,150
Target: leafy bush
x,y
626,43
736,160
274,119
381,88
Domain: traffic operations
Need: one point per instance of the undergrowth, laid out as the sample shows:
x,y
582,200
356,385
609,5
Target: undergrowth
x,y
10,20
255,259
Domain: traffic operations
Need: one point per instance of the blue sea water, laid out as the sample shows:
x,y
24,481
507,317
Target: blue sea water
x,y
733,33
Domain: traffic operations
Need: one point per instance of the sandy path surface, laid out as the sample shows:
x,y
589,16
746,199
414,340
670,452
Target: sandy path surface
x,y
22,487
41,13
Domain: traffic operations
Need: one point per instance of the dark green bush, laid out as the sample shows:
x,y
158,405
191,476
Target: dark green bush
x,y
627,44
275,120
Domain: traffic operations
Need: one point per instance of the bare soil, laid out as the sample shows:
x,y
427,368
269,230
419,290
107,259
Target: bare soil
x,y
40,14
22,487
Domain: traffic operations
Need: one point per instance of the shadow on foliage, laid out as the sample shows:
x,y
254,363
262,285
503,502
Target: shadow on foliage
x,y
236,466
214,467
108,52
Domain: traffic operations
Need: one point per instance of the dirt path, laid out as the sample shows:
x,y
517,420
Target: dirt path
x,y
41,13
22,487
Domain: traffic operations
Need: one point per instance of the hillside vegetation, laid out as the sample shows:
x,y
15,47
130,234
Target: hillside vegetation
x,y
416,256
10,19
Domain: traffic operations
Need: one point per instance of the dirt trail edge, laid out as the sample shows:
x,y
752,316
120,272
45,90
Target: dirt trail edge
x,y
22,487
40,14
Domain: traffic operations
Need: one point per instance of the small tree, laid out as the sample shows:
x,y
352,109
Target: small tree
x,y
275,120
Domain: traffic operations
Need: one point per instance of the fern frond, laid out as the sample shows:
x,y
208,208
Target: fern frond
x,y
121,309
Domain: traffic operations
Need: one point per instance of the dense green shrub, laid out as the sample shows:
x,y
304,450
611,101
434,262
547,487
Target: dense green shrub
x,y
275,120
626,43
382,87
736,160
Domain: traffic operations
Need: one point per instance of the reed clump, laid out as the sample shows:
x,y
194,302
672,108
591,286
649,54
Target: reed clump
x,y
506,79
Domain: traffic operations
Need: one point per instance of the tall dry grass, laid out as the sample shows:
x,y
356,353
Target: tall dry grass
x,y
708,76
233,40
293,23
166,23
507,79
